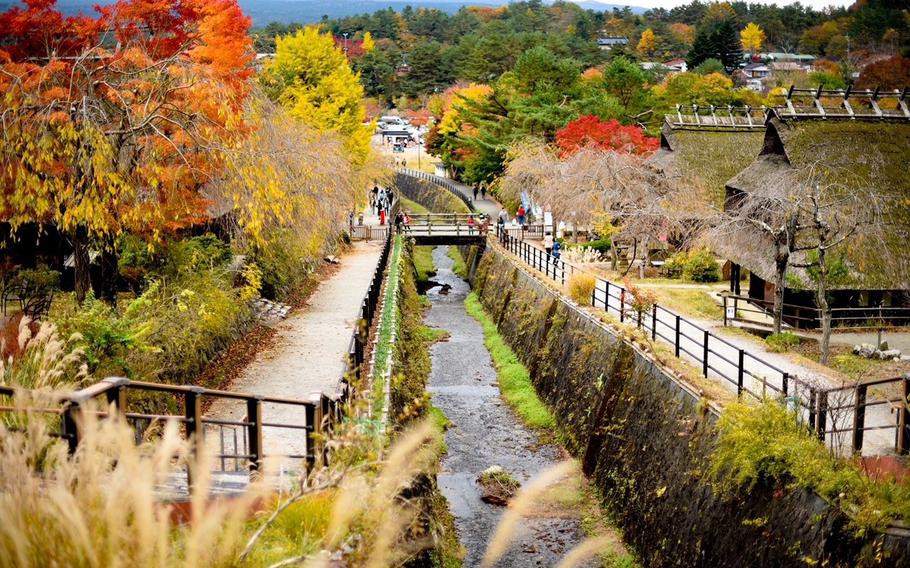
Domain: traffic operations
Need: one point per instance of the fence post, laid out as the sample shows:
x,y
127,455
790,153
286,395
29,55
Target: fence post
x,y
607,296
706,353
859,418
254,432
309,412
725,310
192,406
785,378
812,408
821,411
117,395
677,335
594,296
740,372
903,420
69,425
654,322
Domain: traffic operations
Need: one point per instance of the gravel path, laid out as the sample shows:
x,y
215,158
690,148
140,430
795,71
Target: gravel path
x,y
308,354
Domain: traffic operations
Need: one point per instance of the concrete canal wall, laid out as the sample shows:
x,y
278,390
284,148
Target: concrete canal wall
x,y
644,437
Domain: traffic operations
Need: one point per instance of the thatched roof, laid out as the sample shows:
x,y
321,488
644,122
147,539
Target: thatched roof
x,y
858,154
705,156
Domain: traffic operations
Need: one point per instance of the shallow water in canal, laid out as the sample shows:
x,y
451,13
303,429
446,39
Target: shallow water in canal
x,y
485,432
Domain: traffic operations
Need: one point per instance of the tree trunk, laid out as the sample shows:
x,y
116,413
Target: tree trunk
x,y
824,310
81,263
109,272
781,260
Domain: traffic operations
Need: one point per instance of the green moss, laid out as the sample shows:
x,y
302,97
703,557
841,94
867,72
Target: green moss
x,y
769,443
423,263
413,207
459,268
698,152
514,379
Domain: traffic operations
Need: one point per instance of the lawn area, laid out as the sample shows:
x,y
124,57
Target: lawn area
x,y
694,302
423,262
413,206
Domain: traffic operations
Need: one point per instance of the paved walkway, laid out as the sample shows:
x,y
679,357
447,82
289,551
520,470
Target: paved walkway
x,y
308,355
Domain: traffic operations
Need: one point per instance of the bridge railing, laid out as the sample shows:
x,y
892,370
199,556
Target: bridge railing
x,y
842,415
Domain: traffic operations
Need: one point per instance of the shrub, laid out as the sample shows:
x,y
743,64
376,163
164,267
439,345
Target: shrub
x,y
600,245
780,342
168,333
676,264
196,253
106,337
286,262
701,266
581,286
768,443
642,300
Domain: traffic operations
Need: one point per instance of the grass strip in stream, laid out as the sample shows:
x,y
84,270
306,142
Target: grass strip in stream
x,y
514,379
387,323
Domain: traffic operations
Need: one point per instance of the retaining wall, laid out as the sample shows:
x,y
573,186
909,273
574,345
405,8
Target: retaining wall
x,y
431,196
643,437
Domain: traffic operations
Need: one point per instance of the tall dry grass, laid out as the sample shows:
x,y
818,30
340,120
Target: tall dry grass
x,y
102,506
41,359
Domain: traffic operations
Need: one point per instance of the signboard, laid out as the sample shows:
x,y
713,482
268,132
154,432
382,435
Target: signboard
x,y
731,312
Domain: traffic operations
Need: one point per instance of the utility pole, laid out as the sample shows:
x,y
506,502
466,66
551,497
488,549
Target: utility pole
x,y
345,34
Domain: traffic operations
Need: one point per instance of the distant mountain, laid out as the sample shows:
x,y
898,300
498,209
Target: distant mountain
x,y
264,11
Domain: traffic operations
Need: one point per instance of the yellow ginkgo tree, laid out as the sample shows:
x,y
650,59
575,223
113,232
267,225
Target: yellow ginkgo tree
x,y
310,76
752,38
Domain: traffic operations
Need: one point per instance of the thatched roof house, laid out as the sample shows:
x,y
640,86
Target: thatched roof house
x,y
868,154
703,148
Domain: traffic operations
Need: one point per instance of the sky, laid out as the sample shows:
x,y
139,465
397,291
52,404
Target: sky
x,y
817,4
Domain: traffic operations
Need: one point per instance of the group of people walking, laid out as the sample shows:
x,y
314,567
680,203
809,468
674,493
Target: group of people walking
x,y
381,200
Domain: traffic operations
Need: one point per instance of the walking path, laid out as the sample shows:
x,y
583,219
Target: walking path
x,y
308,355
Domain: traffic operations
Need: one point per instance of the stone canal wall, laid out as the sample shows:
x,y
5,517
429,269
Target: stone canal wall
x,y
643,437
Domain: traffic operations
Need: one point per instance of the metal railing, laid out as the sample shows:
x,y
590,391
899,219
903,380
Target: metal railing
x,y
808,317
446,224
747,373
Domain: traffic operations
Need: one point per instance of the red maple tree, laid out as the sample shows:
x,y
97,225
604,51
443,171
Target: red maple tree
x,y
113,122
591,131
891,73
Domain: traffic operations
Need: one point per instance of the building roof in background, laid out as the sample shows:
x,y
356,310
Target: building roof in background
x,y
706,154
860,154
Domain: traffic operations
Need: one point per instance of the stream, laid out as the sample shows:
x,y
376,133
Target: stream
x,y
484,432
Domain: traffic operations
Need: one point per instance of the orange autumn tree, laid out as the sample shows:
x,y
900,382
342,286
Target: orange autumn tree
x,y
591,131
112,123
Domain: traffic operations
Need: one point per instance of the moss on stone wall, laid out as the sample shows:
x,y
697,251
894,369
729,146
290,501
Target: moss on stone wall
x,y
644,439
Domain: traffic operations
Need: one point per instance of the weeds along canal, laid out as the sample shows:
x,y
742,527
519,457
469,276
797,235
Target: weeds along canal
x,y
484,432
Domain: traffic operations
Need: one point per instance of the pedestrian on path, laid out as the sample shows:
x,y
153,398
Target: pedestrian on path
x,y
520,215
483,191
475,193
399,219
557,249
471,224
548,243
